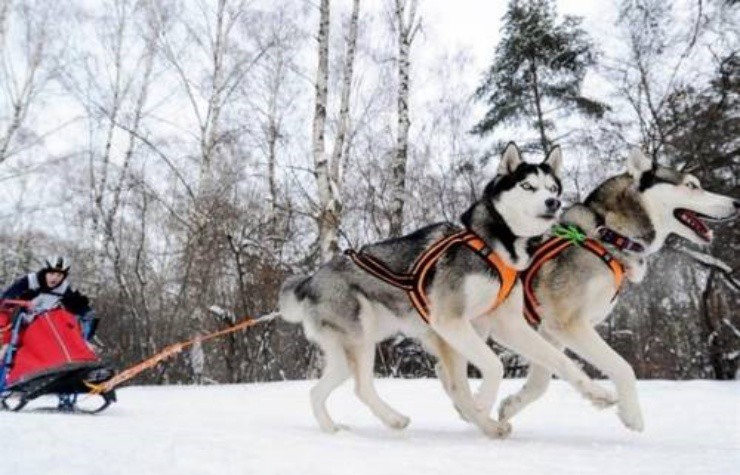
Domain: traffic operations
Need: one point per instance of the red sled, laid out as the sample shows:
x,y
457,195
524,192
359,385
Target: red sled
x,y
46,353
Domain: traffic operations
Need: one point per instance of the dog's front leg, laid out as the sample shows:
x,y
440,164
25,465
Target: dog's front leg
x,y
451,369
512,330
459,333
582,338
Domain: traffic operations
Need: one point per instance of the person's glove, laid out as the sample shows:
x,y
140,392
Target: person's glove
x,y
76,302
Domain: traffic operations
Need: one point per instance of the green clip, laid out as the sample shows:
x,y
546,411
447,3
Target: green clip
x,y
569,232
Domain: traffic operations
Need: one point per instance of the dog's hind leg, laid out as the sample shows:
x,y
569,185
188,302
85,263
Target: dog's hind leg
x,y
582,338
460,334
512,331
362,360
336,371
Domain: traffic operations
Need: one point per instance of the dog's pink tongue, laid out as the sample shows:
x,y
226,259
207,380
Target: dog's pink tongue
x,y
697,224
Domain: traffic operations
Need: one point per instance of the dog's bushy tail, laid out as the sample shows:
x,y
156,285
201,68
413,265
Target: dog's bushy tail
x,y
290,308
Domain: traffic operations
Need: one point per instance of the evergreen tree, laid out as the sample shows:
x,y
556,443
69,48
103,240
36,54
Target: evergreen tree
x,y
538,67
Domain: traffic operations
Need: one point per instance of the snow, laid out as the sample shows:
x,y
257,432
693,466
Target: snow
x,y
692,428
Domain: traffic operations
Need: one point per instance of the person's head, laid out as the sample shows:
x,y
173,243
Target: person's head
x,y
55,270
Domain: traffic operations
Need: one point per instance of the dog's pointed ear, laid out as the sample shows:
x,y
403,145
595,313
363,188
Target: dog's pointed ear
x,y
555,160
510,160
638,163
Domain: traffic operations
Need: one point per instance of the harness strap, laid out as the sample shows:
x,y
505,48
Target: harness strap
x,y
606,256
415,281
507,274
551,249
372,266
424,264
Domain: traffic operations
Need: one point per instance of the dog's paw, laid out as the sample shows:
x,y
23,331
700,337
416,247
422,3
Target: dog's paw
x,y
398,422
631,417
496,429
331,428
601,397
508,408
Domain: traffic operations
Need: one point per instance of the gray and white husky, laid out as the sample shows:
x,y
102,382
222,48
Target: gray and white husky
x,y
576,290
346,310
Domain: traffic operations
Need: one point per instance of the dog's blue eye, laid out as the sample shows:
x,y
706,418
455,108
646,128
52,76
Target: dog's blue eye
x,y
553,189
527,187
692,186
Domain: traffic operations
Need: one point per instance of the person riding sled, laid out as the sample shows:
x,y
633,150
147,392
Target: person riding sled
x,y
49,292
49,287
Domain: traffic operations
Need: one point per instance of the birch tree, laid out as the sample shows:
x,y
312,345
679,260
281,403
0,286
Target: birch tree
x,y
329,200
328,169
341,140
406,25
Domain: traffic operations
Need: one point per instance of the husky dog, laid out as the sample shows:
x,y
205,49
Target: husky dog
x,y
576,290
346,310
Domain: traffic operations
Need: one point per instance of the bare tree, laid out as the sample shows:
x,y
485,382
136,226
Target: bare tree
x,y
328,170
114,95
5,6
273,99
29,60
407,25
341,140
329,199
655,63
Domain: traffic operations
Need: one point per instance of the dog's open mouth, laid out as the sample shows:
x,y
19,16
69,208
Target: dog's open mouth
x,y
695,222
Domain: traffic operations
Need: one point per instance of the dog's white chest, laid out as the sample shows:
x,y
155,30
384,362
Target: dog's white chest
x,y
480,293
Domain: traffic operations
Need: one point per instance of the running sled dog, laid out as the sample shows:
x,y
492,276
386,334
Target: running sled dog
x,y
438,285
570,287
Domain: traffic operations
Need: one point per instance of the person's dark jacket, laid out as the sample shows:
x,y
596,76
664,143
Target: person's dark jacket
x,y
31,286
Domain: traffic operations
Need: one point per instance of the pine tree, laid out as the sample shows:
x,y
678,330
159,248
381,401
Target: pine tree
x,y
538,69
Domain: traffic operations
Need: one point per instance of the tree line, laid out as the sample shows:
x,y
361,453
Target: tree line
x,y
188,154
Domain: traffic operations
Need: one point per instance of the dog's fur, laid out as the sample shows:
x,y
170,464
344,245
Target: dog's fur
x,y
576,289
347,311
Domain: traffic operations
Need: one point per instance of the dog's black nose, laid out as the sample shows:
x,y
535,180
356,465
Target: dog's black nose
x,y
736,203
552,204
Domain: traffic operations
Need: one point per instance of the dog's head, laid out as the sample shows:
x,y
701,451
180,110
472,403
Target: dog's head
x,y
526,195
676,201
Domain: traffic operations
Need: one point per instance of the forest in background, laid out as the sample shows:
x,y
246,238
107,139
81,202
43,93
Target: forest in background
x,y
187,154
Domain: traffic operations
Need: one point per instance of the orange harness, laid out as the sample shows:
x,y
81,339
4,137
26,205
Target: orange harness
x,y
551,249
414,282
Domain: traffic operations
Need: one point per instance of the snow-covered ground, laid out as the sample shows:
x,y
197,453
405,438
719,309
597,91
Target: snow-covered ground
x,y
692,428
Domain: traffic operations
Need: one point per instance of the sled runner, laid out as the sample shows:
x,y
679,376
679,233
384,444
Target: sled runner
x,y
46,353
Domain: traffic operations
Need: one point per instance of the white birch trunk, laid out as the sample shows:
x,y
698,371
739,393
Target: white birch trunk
x,y
339,154
406,26
210,129
328,216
